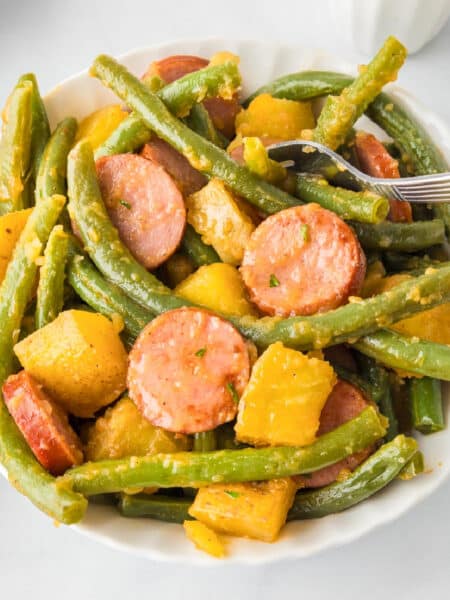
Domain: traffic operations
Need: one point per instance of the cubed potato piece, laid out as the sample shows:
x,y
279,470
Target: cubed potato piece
x,y
11,226
255,510
215,215
98,126
204,538
219,287
223,57
432,325
79,359
282,402
275,117
123,431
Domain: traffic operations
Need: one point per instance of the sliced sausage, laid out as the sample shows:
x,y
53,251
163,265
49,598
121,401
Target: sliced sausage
x,y
186,370
144,204
302,260
43,423
376,161
343,404
186,177
222,112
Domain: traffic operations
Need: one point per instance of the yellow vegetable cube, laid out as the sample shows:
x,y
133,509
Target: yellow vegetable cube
x,y
123,431
282,402
98,126
275,117
216,216
223,57
255,510
204,538
79,358
11,226
219,287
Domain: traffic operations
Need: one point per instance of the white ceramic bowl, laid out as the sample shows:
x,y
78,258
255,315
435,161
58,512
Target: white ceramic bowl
x,y
260,63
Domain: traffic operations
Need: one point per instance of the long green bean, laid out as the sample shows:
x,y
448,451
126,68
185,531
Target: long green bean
x,y
403,237
195,469
179,97
202,154
160,507
407,353
426,405
24,472
15,146
367,479
50,292
341,112
199,252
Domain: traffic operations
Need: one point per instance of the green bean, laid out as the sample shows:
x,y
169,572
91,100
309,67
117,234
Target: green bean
x,y
305,85
257,160
50,292
415,467
15,148
395,261
365,207
205,441
355,380
199,252
195,469
24,472
162,508
51,178
341,112
105,297
378,379
403,237
40,127
367,479
407,353
200,122
179,97
426,405
201,153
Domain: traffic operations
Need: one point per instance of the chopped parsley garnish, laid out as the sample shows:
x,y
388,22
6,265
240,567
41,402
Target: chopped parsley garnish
x,y
126,204
273,281
232,494
200,352
304,232
233,392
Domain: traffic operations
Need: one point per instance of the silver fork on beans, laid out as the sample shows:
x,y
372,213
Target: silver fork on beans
x,y
310,157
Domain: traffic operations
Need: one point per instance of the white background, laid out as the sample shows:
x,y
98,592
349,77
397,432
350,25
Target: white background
x,y
405,559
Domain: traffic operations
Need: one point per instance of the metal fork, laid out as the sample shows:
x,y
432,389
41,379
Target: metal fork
x,y
311,157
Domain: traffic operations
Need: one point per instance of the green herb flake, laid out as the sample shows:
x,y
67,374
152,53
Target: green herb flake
x,y
233,392
273,281
201,352
126,204
232,494
304,232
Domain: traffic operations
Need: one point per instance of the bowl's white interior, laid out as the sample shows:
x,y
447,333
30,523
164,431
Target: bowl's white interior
x,y
260,63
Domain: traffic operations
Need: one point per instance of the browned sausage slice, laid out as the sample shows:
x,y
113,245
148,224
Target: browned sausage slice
x,y
343,404
376,161
222,112
186,177
43,424
187,369
302,260
144,204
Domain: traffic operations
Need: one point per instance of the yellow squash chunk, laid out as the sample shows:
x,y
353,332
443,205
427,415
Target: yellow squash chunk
x,y
123,431
215,215
219,287
275,117
282,402
80,360
255,510
11,226
432,325
204,538
223,57
98,126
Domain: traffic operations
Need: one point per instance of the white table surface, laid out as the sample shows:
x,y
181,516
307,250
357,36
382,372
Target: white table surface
x,y
405,559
